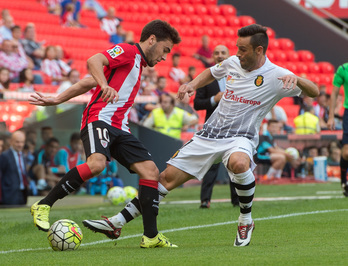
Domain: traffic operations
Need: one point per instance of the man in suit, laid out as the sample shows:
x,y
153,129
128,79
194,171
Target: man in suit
x,y
207,98
14,182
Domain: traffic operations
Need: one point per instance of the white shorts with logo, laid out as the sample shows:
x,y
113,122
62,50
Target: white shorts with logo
x,y
199,154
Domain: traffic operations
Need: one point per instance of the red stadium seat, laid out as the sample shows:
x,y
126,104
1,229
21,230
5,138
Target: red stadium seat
x,y
305,56
210,2
201,10
270,33
326,79
196,20
279,56
291,66
188,9
208,21
246,20
273,44
313,67
220,21
233,21
213,10
326,67
301,68
229,32
175,8
164,8
228,10
286,101
286,44
270,55
314,77
292,56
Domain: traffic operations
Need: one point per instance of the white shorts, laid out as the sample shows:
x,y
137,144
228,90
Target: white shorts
x,y
199,154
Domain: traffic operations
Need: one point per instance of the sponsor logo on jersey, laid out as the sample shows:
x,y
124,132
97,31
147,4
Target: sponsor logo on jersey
x,y
258,81
116,51
104,143
229,95
229,80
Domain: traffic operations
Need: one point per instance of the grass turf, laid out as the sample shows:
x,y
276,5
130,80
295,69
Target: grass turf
x,y
292,232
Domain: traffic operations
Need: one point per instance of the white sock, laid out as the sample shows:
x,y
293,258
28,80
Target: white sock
x,y
271,172
245,218
163,192
278,173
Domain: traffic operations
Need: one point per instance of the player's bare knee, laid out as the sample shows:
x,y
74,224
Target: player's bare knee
x,y
239,166
96,167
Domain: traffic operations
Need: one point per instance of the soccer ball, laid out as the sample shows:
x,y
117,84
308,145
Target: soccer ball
x,y
116,195
64,235
293,151
131,193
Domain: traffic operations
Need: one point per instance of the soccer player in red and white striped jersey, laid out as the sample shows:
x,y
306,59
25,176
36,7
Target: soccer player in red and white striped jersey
x,y
104,130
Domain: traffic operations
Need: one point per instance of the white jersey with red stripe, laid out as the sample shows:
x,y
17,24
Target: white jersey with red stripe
x,y
123,74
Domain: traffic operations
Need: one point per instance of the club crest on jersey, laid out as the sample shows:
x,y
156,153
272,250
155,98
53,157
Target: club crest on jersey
x,y
229,79
258,81
104,143
116,51
218,65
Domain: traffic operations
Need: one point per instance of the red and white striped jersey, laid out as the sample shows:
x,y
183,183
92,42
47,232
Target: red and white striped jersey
x,y
123,74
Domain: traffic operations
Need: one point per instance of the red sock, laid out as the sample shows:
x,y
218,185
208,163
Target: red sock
x,y
84,171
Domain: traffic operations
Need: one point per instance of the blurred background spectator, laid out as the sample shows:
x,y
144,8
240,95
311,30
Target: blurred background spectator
x,y
26,80
307,123
5,29
4,79
76,6
205,53
50,66
176,73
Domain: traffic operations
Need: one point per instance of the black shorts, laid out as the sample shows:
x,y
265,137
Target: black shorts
x,y
345,127
99,137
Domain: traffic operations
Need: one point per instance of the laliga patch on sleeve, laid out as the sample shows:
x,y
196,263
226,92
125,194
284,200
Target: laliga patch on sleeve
x,y
116,51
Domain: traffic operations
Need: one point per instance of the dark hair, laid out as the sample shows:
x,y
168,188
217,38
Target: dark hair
x,y
272,121
161,77
258,35
75,136
51,140
71,71
22,77
15,27
6,85
176,55
45,128
162,30
172,100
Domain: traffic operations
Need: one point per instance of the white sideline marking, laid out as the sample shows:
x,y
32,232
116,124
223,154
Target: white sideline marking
x,y
186,228
257,199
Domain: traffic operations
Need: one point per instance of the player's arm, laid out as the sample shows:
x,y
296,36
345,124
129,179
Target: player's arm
x,y
308,87
201,80
96,65
76,89
333,100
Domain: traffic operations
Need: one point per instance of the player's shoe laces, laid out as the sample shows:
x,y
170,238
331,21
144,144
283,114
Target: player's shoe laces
x,y
103,226
41,212
244,234
159,241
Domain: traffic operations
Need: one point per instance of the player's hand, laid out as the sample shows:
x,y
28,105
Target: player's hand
x,y
40,99
331,124
218,96
185,88
109,94
289,81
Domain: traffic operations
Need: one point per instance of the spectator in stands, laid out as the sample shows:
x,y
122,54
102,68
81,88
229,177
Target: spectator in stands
x,y
51,67
4,13
334,157
305,102
17,36
14,181
269,153
160,85
205,53
311,153
307,123
321,109
11,59
31,47
190,74
95,6
324,151
26,80
76,6
73,77
113,27
2,143
67,19
53,6
4,79
168,119
44,171
65,67
46,133
184,104
278,113
144,108
176,73
70,156
5,29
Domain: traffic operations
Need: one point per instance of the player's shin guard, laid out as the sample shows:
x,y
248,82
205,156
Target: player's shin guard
x,y
245,188
149,201
69,183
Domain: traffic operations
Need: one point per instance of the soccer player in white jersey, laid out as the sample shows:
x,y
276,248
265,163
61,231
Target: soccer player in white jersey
x,y
253,86
117,74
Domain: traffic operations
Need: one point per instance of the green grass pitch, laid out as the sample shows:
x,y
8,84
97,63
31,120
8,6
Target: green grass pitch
x,y
296,231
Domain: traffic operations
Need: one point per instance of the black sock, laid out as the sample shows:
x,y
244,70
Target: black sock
x,y
344,166
148,199
70,182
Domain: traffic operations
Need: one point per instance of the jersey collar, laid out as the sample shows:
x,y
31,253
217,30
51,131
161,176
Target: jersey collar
x,y
142,53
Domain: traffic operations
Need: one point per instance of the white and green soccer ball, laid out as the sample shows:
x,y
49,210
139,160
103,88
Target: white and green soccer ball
x,y
64,235
116,195
293,152
131,193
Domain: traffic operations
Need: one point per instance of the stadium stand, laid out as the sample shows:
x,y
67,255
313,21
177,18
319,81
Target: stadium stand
x,y
192,18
